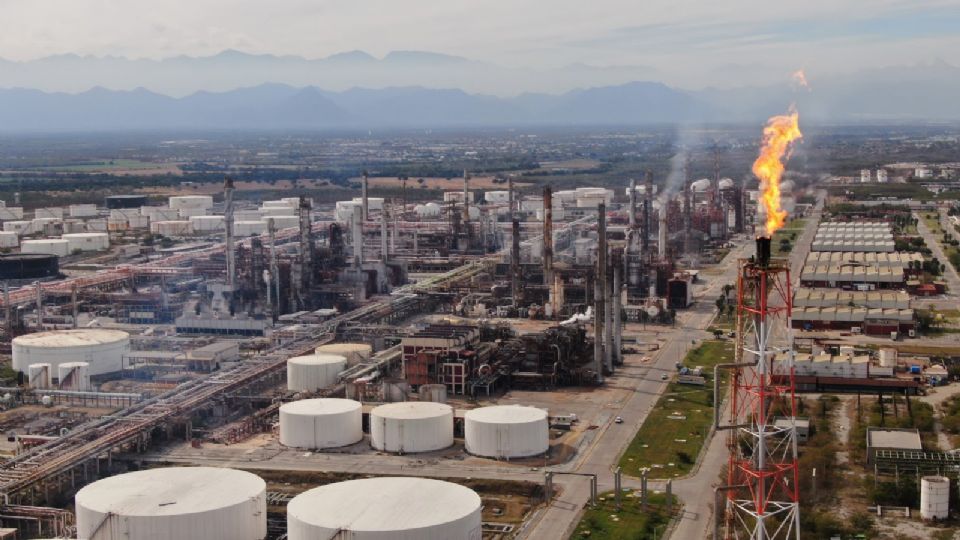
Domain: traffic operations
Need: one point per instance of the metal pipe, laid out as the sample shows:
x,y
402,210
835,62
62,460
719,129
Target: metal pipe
x,y
598,326
306,248
363,197
547,236
617,309
633,203
662,234
228,229
647,214
466,196
274,272
357,226
515,264
384,246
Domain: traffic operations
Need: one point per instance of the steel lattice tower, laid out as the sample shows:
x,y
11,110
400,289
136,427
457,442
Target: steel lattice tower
x,y
762,501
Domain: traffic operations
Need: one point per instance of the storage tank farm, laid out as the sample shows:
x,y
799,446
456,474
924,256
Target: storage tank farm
x,y
314,372
102,349
506,431
389,508
412,426
175,503
321,423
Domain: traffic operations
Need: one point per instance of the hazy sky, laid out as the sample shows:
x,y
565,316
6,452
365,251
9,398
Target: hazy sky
x,y
684,40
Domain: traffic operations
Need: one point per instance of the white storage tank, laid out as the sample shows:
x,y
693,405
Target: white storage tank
x,y
160,213
103,349
427,210
8,213
171,228
207,223
174,503
353,352
249,228
506,431
9,239
53,212
282,222
411,426
314,372
190,201
187,213
277,211
496,196
321,423
39,376
934,497
373,203
19,227
48,246
74,376
91,241
83,210
391,508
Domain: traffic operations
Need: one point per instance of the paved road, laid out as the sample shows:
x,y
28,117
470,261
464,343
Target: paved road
x,y
558,520
933,242
696,491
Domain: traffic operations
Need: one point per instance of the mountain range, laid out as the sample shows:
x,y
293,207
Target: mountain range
x,y
921,93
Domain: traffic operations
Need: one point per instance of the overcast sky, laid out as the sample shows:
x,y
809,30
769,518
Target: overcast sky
x,y
686,41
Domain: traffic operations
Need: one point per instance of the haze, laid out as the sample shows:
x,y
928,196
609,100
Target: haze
x,y
687,44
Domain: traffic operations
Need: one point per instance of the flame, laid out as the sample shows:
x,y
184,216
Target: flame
x,y
778,138
800,79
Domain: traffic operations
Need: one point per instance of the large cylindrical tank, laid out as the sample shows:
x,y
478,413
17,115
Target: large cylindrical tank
x,y
506,431
412,426
249,228
353,352
934,497
102,349
92,241
321,423
9,239
190,201
74,376
83,210
29,266
436,393
282,222
314,372
46,246
125,201
388,508
174,503
171,228
39,376
207,223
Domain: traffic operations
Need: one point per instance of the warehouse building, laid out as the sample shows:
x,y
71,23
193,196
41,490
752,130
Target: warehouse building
x,y
853,236
869,321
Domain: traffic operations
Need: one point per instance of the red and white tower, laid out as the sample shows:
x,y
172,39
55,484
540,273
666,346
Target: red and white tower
x,y
762,498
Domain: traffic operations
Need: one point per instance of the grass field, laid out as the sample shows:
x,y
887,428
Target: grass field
x,y
631,523
673,434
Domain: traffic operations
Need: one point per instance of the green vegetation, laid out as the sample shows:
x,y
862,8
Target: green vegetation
x,y
629,523
950,418
673,434
784,239
115,164
892,412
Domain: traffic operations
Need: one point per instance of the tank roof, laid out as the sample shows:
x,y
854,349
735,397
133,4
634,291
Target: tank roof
x,y
384,504
412,410
317,359
170,491
506,414
80,337
320,406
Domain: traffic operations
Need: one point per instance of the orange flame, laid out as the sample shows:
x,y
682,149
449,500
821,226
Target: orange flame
x,y
778,138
